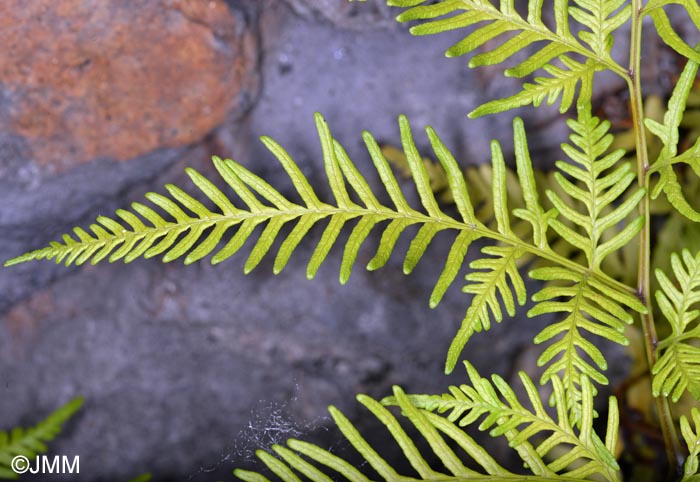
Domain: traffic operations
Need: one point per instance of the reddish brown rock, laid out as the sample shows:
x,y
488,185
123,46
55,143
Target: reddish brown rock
x,y
83,79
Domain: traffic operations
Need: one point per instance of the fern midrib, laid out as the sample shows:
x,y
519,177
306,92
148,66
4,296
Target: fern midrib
x,y
414,217
552,37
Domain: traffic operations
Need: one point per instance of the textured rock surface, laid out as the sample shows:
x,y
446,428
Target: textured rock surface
x,y
353,15
86,79
187,370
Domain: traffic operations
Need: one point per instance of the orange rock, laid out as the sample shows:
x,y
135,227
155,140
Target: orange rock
x,y
81,80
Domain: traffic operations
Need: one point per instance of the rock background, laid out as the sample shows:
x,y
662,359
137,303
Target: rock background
x,y
186,370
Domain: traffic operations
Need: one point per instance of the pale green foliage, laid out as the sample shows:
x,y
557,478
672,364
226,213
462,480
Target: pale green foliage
x,y
602,182
532,433
598,19
668,133
666,31
692,440
596,300
567,235
678,367
31,442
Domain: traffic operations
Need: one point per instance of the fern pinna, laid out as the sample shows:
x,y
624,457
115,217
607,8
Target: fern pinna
x,y
27,443
562,237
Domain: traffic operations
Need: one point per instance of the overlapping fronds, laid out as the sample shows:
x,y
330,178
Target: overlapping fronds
x,y
533,434
516,33
678,366
32,441
599,181
664,28
196,231
668,133
692,440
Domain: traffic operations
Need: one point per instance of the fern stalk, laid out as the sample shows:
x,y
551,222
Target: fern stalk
x,y
674,452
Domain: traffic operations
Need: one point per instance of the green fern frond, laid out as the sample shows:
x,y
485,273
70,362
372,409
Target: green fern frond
x,y
602,17
678,366
31,442
534,434
599,182
194,231
692,440
665,30
304,461
562,83
668,133
589,307
490,22
486,282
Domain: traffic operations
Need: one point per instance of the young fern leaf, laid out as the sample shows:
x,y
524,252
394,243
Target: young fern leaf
x,y
668,133
533,433
678,366
30,442
304,461
665,30
598,183
691,468
491,22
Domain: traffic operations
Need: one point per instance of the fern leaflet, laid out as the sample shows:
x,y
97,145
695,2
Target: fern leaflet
x,y
602,183
654,9
600,18
30,442
678,366
692,440
598,183
532,433
668,133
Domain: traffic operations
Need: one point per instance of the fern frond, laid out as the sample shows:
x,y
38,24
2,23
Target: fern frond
x,y
590,308
665,30
31,442
489,22
488,280
668,133
192,230
302,460
602,17
692,440
562,83
598,183
533,433
678,366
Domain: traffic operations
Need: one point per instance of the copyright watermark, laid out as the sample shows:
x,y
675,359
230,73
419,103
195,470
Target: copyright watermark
x,y
43,464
